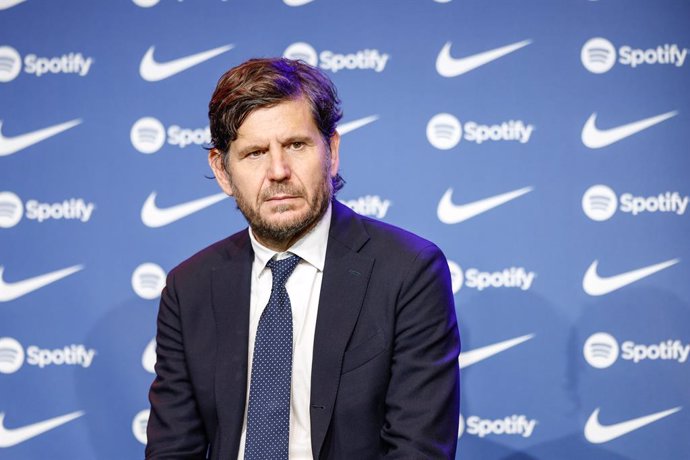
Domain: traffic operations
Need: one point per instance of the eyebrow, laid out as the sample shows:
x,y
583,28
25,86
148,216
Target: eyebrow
x,y
288,140
251,148
298,138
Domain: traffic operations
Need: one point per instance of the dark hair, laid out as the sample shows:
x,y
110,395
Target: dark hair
x,y
260,83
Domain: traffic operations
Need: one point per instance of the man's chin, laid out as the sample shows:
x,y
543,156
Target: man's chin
x,y
283,212
285,225
281,222
284,219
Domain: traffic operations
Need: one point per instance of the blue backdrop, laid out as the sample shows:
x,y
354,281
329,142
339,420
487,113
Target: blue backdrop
x,y
542,145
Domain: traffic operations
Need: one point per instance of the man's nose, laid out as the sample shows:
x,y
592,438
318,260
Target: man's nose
x,y
278,168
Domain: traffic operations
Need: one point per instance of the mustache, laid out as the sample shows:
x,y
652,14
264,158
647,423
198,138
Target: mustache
x,y
281,189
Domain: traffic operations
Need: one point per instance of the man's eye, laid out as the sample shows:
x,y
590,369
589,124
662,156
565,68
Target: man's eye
x,y
297,145
254,154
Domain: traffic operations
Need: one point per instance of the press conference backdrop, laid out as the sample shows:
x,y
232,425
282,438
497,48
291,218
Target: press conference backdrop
x,y
542,145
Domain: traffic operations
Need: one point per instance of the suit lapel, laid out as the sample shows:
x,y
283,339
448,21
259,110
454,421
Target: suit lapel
x,y
231,287
345,279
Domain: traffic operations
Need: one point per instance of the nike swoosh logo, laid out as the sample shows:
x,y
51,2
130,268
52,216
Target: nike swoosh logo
x,y
148,358
150,70
596,433
11,291
296,2
10,145
154,217
596,138
450,213
468,358
7,4
448,66
595,285
356,124
12,437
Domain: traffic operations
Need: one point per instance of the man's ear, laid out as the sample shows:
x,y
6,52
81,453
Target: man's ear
x,y
334,144
215,161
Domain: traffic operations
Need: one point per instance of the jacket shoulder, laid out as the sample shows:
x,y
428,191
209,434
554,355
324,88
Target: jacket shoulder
x,y
397,235
214,255
373,237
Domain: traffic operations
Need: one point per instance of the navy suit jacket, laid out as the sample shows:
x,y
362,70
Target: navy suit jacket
x,y
384,382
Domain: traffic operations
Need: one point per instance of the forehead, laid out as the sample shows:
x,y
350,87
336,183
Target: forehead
x,y
288,118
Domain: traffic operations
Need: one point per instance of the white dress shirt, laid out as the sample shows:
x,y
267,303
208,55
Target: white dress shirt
x,y
304,288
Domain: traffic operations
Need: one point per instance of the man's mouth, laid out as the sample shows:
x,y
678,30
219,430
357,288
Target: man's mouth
x,y
282,197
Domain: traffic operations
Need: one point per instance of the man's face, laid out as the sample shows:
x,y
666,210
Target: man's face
x,y
279,170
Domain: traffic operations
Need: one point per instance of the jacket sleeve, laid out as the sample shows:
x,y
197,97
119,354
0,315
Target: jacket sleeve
x,y
175,429
423,398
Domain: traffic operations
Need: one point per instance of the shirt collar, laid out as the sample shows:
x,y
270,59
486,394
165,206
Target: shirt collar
x,y
310,248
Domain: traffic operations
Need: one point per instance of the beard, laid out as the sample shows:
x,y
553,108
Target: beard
x,y
285,232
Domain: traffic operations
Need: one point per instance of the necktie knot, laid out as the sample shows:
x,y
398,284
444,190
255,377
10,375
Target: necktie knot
x,y
282,269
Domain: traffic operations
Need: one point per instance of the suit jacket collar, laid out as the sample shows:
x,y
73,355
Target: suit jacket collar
x,y
345,280
230,290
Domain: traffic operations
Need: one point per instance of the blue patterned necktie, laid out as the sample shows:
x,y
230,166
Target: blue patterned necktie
x,y
268,414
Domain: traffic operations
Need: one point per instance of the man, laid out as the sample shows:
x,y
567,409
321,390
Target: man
x,y
315,333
